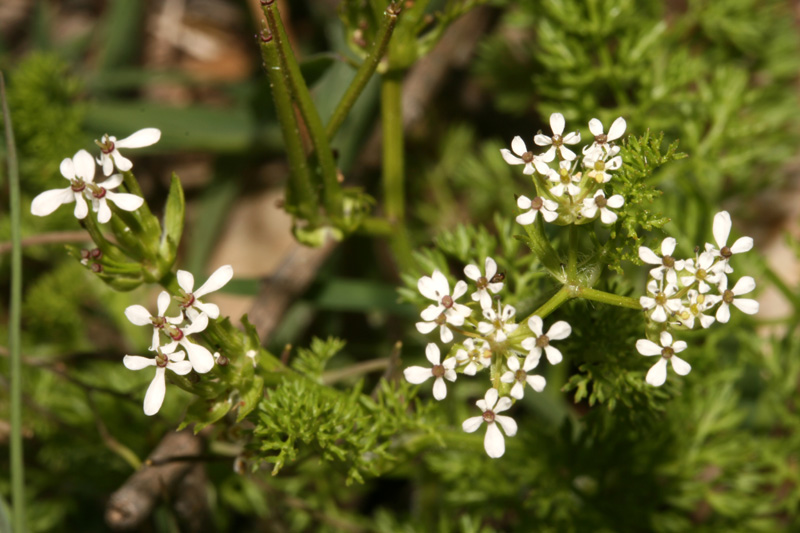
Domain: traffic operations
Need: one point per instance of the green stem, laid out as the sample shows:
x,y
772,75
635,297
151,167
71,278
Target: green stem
x,y
572,258
332,190
301,191
365,72
608,298
555,301
14,324
393,164
541,247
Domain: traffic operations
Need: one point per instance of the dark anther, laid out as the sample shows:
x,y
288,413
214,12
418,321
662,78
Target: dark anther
x,y
96,268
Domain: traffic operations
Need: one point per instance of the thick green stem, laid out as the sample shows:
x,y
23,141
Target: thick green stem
x,y
393,164
301,195
555,301
14,324
608,298
332,190
541,247
572,258
364,73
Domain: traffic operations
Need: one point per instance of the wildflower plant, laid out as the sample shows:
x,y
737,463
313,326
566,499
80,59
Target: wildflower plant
x,y
581,194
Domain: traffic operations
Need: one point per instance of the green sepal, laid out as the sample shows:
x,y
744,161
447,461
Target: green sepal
x,y
203,413
173,223
315,236
250,397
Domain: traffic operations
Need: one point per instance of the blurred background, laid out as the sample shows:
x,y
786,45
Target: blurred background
x,y
719,76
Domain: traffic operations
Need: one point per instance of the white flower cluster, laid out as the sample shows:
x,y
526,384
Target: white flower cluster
x,y
196,313
80,172
496,343
569,190
681,293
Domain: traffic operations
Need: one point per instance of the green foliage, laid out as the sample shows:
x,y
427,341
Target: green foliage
x,y
299,418
312,361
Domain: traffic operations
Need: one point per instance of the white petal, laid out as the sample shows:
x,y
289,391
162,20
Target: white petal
x,y
616,201
722,228
647,347
103,211
668,246
470,425
137,362
163,303
440,283
432,353
566,153
417,374
742,244
108,165
537,383
427,288
490,398
517,391
665,338
185,280
84,165
649,256
508,312
596,127
543,140
509,424
138,315
67,168
485,299
553,354
559,330
746,305
607,217
198,324
657,374
572,138
459,289
557,123
523,202
509,158
548,216
659,314
617,129
680,366
472,272
531,361
125,201
48,201
744,285
211,310
112,182
140,139
439,389
431,312
81,209
201,359
723,313
180,367
425,327
490,266
493,442
507,377
518,145
216,281
535,324
155,393
122,163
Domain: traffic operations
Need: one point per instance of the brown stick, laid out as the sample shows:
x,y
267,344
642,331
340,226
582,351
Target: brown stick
x,y
129,506
57,237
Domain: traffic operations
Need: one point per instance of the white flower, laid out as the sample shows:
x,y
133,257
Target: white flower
x,y
558,331
722,230
519,376
475,358
498,325
745,305
666,262
437,288
493,443
162,361
557,142
249,353
698,304
657,375
537,205
190,301
591,205
525,157
446,370
484,283
601,139
142,317
109,145
201,358
565,180
595,161
80,172
660,303
101,194
702,272
445,333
